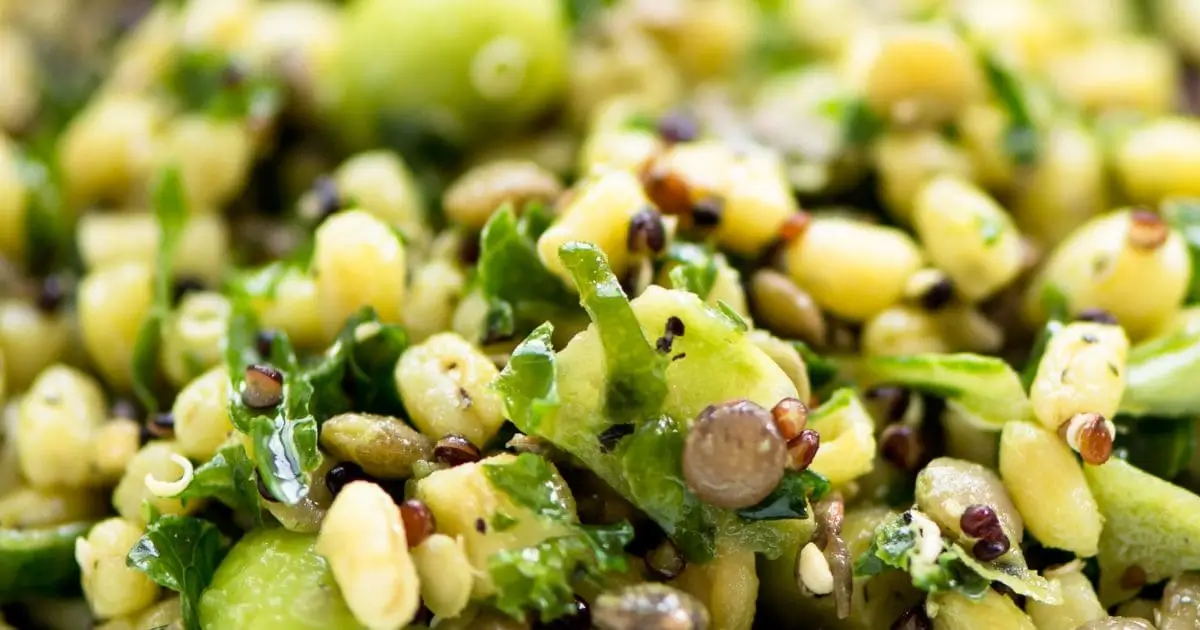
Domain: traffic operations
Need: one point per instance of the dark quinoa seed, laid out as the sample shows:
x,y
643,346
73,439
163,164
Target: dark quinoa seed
x,y
454,450
675,327
980,521
706,213
263,490
343,474
901,446
52,293
987,550
184,285
678,126
681,355
1096,315
646,232
892,401
264,340
938,295
328,198
419,522
481,526
610,437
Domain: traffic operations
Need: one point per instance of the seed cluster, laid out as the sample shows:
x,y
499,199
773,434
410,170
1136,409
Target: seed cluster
x,y
981,521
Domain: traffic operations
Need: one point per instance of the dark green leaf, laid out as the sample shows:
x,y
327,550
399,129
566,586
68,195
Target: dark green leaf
x,y
180,553
637,381
530,482
521,292
652,462
39,561
229,478
1054,304
170,210
528,384
1160,446
220,86
695,268
1021,140
860,125
47,229
791,498
1184,216
582,11
540,579
356,372
502,522
821,371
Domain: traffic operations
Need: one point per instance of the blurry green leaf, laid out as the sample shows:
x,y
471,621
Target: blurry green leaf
x,y
180,553
229,478
530,481
39,561
528,383
1020,140
695,268
1160,446
1054,304
1184,216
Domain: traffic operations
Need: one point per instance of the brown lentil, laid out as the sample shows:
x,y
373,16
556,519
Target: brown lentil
x,y
706,213
791,416
263,388
51,294
1147,230
803,449
785,309
794,226
454,450
667,190
1133,577
678,126
1090,436
419,522
891,402
734,456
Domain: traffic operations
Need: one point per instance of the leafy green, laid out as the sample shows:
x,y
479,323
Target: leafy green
x,y
1158,376
530,481
821,371
1021,140
356,371
501,522
1184,216
894,546
39,561
1160,446
521,292
170,209
582,11
528,384
652,462
695,268
985,388
285,442
730,315
217,84
47,233
860,125
229,478
179,553
539,578
790,498
1057,310
637,382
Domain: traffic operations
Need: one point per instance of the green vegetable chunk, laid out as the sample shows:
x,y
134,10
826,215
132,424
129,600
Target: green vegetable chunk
x,y
1158,376
274,578
1148,522
986,389
39,561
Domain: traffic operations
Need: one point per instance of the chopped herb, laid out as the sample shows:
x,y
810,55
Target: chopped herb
x,y
356,371
1184,216
220,86
528,383
860,125
1054,304
502,522
636,372
821,371
583,11
791,498
47,234
520,291
541,578
170,209
734,318
695,268
229,478
1021,140
652,461
180,553
530,481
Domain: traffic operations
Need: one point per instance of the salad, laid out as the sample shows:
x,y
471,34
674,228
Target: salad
x,y
616,314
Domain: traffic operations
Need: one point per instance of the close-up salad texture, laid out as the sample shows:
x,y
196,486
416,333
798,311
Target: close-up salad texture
x,y
614,314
